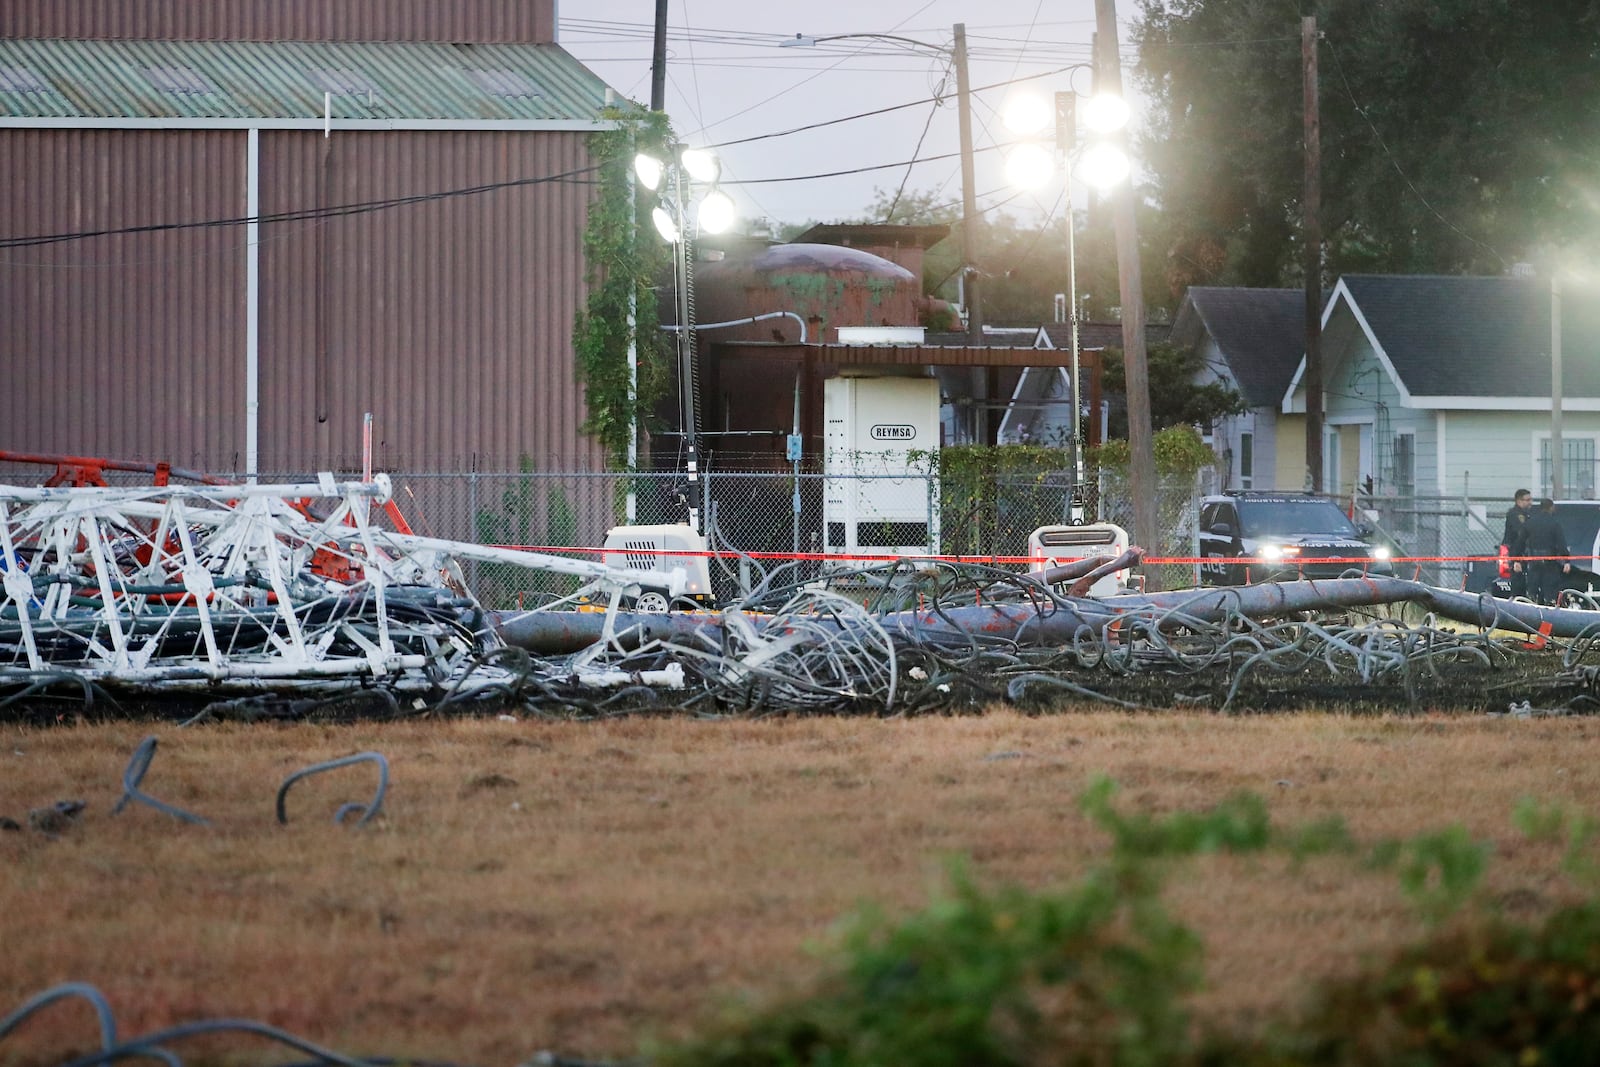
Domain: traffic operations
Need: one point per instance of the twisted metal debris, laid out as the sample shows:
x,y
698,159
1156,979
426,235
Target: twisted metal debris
x,y
288,600
964,634
232,590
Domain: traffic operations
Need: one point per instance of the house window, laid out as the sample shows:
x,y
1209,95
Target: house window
x,y
1577,467
1247,460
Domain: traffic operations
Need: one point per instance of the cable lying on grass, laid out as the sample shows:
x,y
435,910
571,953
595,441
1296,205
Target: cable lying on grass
x,y
142,756
153,1045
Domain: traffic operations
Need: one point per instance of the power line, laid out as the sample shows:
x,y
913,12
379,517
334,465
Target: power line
x,y
863,170
578,175
888,216
1395,163
303,214
629,32
367,207
886,110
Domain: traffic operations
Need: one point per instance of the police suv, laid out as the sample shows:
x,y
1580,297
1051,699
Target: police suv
x,y
1287,535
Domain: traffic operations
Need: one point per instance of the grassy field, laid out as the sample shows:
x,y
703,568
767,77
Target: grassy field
x,y
579,887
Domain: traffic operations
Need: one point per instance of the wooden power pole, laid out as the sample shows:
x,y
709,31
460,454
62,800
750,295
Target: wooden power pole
x,y
1311,227
658,60
1141,444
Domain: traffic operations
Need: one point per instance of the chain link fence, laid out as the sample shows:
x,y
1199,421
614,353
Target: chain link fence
x,y
772,513
976,513
1447,531
979,514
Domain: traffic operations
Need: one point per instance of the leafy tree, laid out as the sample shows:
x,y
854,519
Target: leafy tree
x,y
1457,135
1023,263
1174,399
617,321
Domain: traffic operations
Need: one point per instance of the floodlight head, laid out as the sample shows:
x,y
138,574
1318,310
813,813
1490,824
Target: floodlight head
x,y
649,169
1105,112
1104,165
717,212
665,225
701,164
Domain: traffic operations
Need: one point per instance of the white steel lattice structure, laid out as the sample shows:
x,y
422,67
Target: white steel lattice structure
x,y
244,587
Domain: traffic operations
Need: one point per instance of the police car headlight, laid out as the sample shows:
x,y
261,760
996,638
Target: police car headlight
x,y
1381,552
1272,552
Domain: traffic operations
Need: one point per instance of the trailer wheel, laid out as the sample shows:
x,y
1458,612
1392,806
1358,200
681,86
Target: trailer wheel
x,y
651,602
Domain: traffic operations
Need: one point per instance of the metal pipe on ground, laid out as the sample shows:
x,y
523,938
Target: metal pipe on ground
x,y
557,633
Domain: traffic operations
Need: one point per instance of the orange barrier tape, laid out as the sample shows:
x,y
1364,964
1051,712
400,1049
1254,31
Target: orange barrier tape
x,y
889,558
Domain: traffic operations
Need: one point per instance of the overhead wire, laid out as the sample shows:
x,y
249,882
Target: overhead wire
x,y
694,68
1395,163
880,111
580,174
916,153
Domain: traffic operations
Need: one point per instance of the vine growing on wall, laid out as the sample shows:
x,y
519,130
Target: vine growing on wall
x,y
624,262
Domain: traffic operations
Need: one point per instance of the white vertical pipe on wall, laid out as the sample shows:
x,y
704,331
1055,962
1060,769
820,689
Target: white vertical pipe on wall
x,y
252,303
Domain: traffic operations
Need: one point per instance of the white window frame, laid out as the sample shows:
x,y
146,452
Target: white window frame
x,y
1247,476
1541,440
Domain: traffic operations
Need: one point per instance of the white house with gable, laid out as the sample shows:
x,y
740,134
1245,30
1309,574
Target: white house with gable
x,y
1440,386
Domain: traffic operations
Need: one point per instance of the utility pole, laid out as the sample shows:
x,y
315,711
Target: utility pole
x,y
658,61
1141,446
1311,228
984,380
1556,456
969,195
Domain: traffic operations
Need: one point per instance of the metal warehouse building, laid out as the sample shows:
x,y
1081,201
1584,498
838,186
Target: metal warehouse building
x,y
233,227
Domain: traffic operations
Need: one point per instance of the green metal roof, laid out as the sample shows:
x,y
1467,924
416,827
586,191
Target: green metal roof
x,y
48,79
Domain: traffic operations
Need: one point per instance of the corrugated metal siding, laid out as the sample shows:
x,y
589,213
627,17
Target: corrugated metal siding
x,y
451,320
128,345
188,79
509,21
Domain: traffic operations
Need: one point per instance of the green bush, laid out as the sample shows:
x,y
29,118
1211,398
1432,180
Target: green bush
x,y
1093,974
1496,992
1099,973
1179,450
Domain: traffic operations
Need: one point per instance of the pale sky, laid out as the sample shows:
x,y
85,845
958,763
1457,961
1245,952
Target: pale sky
x,y
728,79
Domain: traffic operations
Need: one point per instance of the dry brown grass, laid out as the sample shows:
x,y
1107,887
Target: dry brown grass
x,y
568,886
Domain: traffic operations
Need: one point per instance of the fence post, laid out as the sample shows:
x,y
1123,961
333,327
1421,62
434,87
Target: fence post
x,y
472,520
795,474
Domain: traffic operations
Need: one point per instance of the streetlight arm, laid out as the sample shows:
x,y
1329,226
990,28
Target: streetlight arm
x,y
801,40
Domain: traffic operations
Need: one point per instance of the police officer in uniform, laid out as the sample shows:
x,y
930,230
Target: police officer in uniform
x,y
1515,539
1543,536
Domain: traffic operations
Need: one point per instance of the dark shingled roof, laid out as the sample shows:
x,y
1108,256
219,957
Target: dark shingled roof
x,y
1489,337
1260,332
